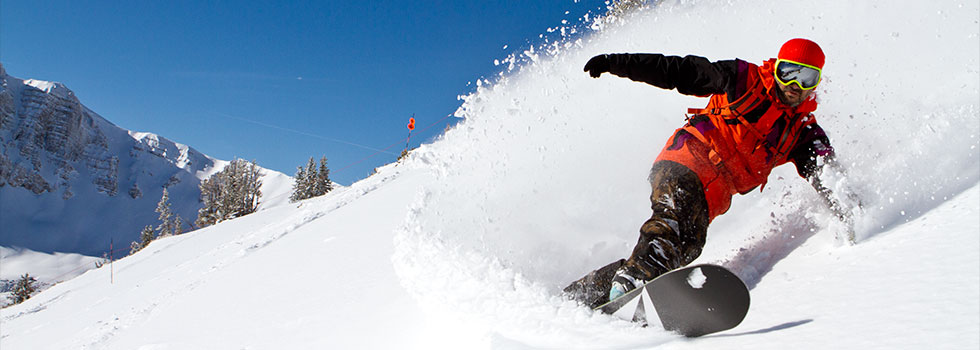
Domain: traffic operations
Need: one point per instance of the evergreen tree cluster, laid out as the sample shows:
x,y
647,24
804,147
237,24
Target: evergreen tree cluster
x,y
311,181
170,225
231,193
25,287
147,235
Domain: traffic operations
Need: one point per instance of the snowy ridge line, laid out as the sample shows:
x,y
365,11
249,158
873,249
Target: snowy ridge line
x,y
86,266
69,273
47,269
309,211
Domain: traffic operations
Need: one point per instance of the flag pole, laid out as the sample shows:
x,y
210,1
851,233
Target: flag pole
x,y
112,276
411,127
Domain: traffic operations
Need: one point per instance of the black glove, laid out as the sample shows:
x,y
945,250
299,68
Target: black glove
x,y
597,65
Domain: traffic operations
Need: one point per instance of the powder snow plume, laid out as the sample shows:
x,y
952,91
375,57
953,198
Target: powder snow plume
x,y
549,165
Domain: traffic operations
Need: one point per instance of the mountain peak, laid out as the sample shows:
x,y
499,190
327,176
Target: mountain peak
x,y
51,88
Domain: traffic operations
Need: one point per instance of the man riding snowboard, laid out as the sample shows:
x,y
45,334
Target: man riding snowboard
x,y
757,118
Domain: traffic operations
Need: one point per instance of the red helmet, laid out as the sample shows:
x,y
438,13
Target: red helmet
x,y
802,51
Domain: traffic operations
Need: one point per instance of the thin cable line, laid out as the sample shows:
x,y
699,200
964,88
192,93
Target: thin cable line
x,y
304,133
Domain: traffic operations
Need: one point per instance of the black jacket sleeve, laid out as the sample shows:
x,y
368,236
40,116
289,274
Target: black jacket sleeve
x,y
690,75
813,143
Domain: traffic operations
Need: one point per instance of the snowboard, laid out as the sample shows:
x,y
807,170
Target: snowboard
x,y
693,301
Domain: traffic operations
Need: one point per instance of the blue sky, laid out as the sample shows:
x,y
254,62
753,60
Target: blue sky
x,y
276,81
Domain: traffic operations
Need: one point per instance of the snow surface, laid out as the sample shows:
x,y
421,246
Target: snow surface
x,y
467,243
49,268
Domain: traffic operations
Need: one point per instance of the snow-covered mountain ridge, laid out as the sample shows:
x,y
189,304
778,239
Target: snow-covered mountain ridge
x,y
468,242
71,181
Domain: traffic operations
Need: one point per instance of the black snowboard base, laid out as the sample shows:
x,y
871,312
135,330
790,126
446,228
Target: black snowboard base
x,y
693,301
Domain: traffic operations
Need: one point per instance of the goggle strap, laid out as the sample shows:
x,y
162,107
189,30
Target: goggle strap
x,y
802,64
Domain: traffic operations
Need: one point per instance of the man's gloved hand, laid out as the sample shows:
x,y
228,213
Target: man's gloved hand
x,y
597,65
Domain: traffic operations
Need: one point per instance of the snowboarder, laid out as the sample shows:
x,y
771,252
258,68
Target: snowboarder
x,y
757,118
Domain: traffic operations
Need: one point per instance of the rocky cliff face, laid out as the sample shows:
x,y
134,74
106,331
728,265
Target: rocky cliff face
x,y
71,181
43,123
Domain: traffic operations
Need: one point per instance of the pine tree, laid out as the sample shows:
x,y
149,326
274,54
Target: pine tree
x,y
312,181
324,185
231,193
178,225
23,289
146,236
299,187
311,174
253,188
210,197
166,227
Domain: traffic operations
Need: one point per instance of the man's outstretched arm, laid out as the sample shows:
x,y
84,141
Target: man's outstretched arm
x,y
690,75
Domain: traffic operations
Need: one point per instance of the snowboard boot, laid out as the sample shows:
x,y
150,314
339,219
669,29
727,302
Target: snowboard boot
x,y
623,283
593,289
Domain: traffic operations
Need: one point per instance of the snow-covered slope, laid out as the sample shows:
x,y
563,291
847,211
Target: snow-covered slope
x,y
468,242
72,182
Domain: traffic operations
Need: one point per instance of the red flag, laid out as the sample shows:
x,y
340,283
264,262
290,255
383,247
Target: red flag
x,y
411,124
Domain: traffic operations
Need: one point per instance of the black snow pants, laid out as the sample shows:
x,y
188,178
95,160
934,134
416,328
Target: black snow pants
x,y
672,237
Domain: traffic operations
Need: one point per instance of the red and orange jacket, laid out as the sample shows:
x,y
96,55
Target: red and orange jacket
x,y
742,134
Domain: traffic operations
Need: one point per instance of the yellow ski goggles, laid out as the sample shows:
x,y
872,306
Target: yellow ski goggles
x,y
805,76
